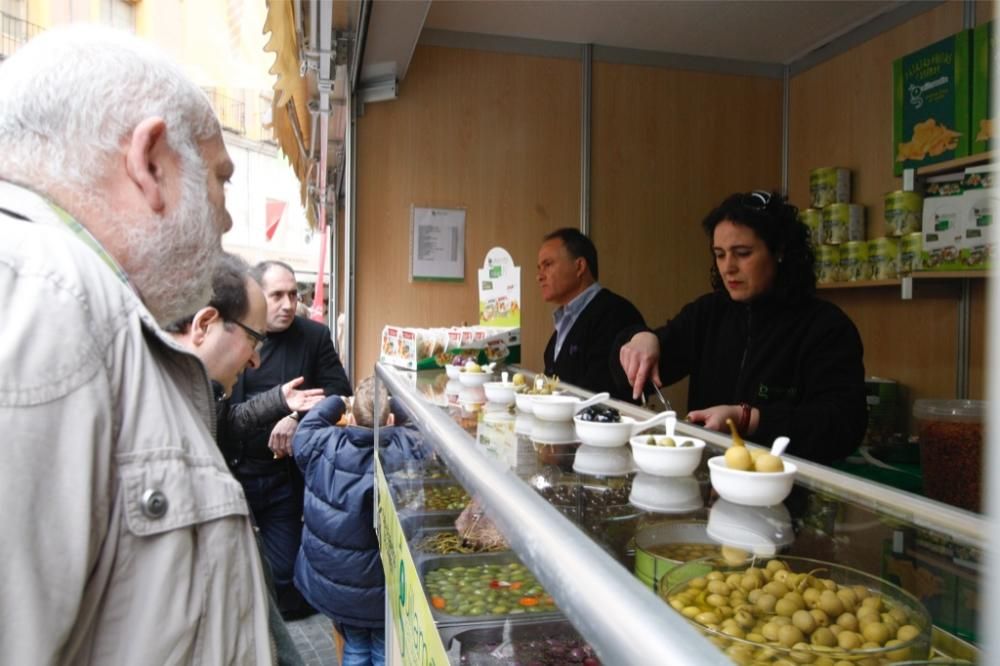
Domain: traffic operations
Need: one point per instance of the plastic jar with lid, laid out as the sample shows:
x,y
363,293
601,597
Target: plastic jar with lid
x,y
951,443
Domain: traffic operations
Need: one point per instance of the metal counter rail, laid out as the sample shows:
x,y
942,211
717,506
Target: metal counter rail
x,y
621,618
965,527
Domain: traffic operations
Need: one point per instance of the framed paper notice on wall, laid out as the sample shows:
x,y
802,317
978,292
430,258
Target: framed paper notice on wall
x,y
437,244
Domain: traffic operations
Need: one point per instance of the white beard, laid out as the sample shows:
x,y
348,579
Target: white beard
x,y
171,258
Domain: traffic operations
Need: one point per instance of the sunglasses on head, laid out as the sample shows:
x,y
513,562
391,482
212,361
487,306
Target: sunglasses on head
x,y
756,200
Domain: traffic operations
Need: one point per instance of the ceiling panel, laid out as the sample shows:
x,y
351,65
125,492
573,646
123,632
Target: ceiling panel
x,y
777,32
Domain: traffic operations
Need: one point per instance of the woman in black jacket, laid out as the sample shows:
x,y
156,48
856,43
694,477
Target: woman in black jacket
x,y
760,349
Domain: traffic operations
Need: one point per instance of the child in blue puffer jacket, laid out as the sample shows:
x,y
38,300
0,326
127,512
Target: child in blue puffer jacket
x,y
338,569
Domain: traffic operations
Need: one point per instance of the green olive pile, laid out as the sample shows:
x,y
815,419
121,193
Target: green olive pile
x,y
436,498
668,442
785,618
486,589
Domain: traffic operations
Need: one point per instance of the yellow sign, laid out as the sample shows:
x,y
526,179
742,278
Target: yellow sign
x,y
419,640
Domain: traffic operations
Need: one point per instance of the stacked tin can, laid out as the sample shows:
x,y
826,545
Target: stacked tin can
x,y
838,227
898,252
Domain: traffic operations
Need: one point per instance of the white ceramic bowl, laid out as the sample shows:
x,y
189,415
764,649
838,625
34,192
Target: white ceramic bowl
x,y
554,407
679,494
466,378
601,461
751,488
552,432
501,393
452,371
524,402
667,460
608,435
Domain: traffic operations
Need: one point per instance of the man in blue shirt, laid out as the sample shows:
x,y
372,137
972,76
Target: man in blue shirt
x,y
587,317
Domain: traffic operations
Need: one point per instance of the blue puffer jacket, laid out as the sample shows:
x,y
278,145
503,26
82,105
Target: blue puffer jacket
x,y
338,569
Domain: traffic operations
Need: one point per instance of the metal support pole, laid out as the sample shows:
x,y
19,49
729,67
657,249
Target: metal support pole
x,y
785,108
334,295
969,14
587,61
350,223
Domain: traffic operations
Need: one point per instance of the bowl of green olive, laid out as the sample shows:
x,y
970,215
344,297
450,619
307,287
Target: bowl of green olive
x,y
799,611
667,456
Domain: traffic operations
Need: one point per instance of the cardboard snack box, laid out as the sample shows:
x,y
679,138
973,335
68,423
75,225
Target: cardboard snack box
x,y
931,99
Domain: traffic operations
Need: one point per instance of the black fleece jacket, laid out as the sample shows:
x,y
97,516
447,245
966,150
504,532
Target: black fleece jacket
x,y
799,364
583,359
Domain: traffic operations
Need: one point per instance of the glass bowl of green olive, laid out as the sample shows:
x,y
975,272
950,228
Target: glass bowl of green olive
x,y
779,610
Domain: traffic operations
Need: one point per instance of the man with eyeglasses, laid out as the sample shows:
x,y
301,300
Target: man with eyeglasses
x,y
761,349
227,335
260,459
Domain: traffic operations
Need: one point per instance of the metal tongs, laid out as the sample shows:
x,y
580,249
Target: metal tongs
x,y
659,394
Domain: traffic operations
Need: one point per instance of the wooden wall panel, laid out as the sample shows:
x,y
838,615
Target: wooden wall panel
x,y
978,314
667,146
497,134
841,112
841,115
986,10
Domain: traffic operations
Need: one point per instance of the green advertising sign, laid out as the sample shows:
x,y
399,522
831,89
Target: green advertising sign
x,y
931,98
984,57
419,640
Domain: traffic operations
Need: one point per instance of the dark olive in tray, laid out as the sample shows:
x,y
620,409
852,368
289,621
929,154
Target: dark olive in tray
x,y
600,414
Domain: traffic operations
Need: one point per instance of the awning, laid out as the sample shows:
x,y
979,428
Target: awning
x,y
290,119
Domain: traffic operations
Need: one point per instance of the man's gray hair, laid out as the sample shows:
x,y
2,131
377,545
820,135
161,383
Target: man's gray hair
x,y
72,95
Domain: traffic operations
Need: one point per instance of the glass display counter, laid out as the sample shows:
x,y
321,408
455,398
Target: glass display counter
x,y
505,540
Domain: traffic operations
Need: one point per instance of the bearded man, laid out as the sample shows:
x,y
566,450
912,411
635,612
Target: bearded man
x,y
125,538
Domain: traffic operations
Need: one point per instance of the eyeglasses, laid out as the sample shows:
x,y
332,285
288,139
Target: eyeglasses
x,y
257,337
756,200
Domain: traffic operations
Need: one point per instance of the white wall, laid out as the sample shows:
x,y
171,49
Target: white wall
x,y
261,174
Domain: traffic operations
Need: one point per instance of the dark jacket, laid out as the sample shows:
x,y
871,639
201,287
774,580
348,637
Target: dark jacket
x,y
246,417
338,569
304,349
799,364
262,406
583,359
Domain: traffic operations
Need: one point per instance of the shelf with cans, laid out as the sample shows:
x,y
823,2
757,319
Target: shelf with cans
x,y
942,234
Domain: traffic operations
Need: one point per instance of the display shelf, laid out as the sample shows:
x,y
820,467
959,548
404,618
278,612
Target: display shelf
x,y
859,283
948,275
954,165
577,544
918,275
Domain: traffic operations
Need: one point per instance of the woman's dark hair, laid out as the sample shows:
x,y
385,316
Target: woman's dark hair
x,y
777,223
578,245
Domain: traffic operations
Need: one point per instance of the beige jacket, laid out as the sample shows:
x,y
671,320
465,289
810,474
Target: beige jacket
x,y
123,537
